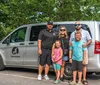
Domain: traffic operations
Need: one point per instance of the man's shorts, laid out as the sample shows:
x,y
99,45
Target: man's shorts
x,y
56,66
77,65
45,57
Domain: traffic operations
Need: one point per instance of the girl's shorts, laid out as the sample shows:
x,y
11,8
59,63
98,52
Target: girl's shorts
x,y
56,66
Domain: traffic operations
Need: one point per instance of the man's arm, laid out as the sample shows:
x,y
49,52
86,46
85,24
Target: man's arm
x,y
39,47
89,42
71,39
40,42
89,39
53,46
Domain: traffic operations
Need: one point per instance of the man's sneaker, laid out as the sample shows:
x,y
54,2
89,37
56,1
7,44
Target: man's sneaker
x,y
46,77
72,83
57,81
39,77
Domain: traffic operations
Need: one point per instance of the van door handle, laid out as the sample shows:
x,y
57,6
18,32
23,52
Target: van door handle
x,y
31,43
21,44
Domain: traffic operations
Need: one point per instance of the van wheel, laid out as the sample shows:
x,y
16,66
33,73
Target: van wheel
x,y
1,64
68,71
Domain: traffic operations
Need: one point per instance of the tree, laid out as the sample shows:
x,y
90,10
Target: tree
x,y
14,13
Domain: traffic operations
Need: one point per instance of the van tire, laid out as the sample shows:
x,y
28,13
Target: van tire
x,y
68,71
1,64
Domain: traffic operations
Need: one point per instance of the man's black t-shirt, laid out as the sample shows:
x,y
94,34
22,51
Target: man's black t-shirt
x,y
48,38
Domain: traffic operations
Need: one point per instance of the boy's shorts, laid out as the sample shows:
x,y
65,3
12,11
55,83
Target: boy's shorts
x,y
77,65
56,66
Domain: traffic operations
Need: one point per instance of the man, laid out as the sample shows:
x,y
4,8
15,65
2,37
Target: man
x,y
87,38
45,42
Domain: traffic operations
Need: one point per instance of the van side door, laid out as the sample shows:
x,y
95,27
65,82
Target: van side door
x,y
15,47
32,51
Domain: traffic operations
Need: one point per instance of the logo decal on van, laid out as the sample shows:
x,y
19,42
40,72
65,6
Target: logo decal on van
x,y
15,50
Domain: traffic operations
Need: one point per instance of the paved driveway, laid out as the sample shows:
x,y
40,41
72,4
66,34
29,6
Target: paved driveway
x,y
29,77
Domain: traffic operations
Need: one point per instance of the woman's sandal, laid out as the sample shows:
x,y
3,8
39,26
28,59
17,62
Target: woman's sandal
x,y
85,82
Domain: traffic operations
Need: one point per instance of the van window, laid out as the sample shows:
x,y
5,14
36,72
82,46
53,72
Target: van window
x,y
35,30
17,36
56,28
85,27
71,27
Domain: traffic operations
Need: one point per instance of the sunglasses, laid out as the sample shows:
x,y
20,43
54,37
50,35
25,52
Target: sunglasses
x,y
62,30
77,24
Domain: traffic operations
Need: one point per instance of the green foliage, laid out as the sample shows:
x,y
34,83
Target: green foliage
x,y
14,13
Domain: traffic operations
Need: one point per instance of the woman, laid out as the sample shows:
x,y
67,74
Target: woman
x,y
63,37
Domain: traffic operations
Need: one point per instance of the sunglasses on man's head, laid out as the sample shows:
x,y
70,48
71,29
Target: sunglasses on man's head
x,y
62,30
77,24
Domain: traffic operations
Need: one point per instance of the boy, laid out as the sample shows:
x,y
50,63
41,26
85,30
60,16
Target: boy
x,y
77,56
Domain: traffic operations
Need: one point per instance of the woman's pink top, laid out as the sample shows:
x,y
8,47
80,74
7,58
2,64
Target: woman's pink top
x,y
57,55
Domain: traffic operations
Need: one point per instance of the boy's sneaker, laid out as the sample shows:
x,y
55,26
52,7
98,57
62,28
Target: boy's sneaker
x,y
39,77
46,77
80,83
57,81
72,83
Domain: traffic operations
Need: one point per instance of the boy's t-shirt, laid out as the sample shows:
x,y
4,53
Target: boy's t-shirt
x,y
77,50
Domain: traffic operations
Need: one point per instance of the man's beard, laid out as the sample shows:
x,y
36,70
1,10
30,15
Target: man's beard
x,y
78,29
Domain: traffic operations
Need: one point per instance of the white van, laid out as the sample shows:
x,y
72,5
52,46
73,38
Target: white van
x,y
19,48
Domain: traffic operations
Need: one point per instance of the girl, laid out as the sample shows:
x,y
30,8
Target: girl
x,y
57,59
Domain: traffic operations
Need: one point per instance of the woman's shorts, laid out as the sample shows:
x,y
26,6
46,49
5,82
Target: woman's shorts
x,y
56,66
65,58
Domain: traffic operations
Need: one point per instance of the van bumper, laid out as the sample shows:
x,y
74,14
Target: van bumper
x,y
94,63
